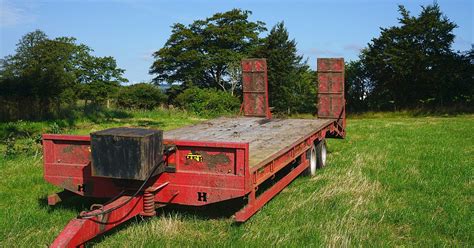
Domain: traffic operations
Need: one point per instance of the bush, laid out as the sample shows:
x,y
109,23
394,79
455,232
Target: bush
x,y
22,137
140,96
208,102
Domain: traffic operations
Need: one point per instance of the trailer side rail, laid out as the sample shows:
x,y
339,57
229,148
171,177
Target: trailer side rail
x,y
276,163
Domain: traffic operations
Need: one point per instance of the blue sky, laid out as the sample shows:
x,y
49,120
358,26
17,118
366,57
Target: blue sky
x,y
131,30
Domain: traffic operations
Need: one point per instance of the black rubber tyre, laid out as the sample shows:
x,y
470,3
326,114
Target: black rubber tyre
x,y
317,158
321,151
311,156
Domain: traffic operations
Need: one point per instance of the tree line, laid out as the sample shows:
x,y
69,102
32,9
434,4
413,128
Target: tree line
x,y
207,54
412,66
46,74
46,77
408,66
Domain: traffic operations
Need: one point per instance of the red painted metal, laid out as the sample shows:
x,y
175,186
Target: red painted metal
x,y
331,103
221,176
78,231
197,173
149,203
255,88
196,186
330,64
278,161
67,165
255,203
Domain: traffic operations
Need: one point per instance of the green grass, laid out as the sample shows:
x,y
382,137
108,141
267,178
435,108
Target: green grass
x,y
394,181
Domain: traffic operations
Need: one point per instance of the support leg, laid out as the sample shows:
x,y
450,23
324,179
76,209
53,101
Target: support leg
x,y
59,197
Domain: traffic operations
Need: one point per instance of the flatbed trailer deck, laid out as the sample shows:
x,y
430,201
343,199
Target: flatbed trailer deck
x,y
250,157
266,137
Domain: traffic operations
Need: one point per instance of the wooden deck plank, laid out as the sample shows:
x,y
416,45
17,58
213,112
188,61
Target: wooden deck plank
x,y
265,137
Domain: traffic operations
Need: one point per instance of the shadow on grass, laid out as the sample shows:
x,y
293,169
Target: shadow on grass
x,y
133,221
221,210
74,203
218,210
98,114
149,123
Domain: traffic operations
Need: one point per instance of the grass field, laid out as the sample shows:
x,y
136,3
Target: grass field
x,y
395,181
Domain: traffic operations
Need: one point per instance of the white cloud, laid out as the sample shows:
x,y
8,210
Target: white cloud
x,y
322,52
11,15
148,55
353,47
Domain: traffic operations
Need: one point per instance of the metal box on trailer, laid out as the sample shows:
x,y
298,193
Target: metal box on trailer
x,y
126,153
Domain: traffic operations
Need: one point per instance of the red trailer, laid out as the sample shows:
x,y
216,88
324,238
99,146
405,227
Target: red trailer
x,y
251,157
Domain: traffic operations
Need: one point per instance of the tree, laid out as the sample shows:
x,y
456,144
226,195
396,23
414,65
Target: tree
x,y
357,86
208,102
291,83
413,64
99,78
142,95
45,73
201,52
13,65
235,76
39,75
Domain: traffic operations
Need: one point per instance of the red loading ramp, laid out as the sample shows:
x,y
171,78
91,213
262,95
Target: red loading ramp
x,y
331,102
255,88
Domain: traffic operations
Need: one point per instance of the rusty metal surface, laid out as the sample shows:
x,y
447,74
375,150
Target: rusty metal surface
x,y
191,183
255,88
330,64
212,177
255,203
331,101
79,231
213,161
265,137
148,203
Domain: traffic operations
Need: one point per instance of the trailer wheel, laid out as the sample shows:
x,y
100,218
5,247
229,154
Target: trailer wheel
x,y
312,158
321,152
317,158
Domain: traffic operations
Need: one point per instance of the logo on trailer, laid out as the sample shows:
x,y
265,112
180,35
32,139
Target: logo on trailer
x,y
191,156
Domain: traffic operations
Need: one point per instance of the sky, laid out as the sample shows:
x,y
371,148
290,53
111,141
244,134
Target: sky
x,y
131,31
